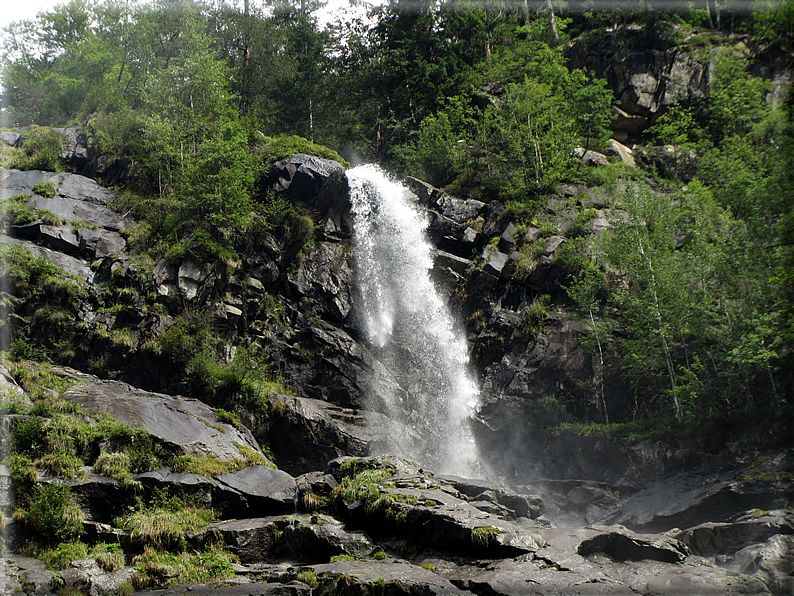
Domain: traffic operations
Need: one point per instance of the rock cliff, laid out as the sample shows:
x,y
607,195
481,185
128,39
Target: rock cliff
x,y
384,523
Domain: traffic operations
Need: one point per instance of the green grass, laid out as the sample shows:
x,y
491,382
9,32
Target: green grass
x,y
484,535
161,569
646,428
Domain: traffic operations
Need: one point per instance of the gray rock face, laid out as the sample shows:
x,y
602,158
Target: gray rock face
x,y
302,538
311,432
712,538
187,425
255,490
320,185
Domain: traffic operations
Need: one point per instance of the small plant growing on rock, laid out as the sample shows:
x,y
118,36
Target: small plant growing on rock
x,y
109,556
342,557
308,577
45,189
484,535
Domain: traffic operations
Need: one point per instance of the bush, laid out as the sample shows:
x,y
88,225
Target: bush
x,y
50,515
273,149
41,151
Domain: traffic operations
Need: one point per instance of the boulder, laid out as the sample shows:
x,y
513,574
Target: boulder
x,y
255,491
620,544
421,509
86,576
311,432
318,184
727,538
185,425
775,564
515,504
70,265
385,577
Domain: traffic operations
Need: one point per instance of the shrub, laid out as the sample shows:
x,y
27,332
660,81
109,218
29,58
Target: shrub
x,y
273,149
62,555
308,577
41,151
50,514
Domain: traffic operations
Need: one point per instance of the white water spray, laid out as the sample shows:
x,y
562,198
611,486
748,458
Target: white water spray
x,y
410,327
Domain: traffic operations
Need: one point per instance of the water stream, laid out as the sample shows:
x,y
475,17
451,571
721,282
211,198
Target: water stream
x,y
410,327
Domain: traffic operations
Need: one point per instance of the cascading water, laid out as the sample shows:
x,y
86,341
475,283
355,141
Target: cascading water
x,y
410,327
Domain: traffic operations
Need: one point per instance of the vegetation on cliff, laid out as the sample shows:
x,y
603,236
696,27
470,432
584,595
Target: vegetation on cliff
x,y
690,291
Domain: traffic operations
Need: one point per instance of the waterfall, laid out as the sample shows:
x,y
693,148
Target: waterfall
x,y
409,326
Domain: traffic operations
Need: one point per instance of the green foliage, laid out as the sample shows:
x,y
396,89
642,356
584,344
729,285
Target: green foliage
x,y
535,314
284,146
484,535
162,524
308,577
48,513
61,555
110,556
117,465
159,569
41,151
45,189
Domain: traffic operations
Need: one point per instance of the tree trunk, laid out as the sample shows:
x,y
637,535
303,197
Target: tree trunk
x,y
552,19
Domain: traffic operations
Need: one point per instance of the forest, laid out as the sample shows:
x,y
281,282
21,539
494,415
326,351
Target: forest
x,y
690,294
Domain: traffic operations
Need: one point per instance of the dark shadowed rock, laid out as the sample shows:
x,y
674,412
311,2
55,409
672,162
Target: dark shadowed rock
x,y
726,538
320,185
194,486
624,545
311,432
245,589
99,498
515,504
303,538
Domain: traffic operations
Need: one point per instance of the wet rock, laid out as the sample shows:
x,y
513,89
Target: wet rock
x,y
624,545
247,589
311,432
515,504
775,563
729,537
186,425
685,501
427,194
